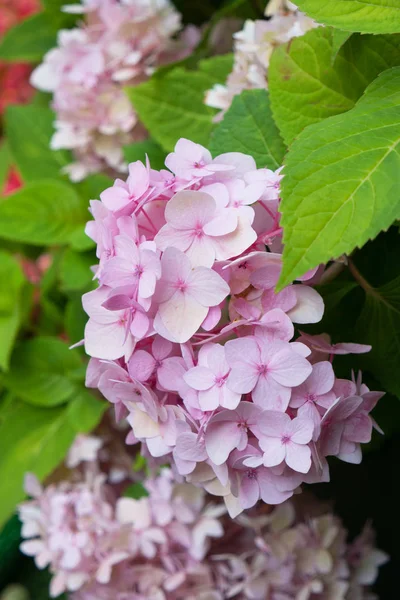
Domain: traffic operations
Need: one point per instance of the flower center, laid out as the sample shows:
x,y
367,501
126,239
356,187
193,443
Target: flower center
x,y
285,439
198,231
251,474
181,285
220,380
138,271
262,369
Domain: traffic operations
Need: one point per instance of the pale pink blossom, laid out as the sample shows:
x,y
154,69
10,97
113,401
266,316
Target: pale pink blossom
x,y
267,369
209,379
185,295
203,230
285,439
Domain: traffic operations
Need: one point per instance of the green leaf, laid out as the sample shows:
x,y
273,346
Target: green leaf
x,y
42,213
138,151
172,104
135,491
342,180
339,38
41,371
5,164
55,14
75,271
75,320
10,310
29,40
85,411
218,67
248,127
32,439
308,84
366,16
29,130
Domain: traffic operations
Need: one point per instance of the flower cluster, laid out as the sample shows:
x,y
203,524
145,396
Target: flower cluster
x,y
298,552
190,342
253,46
170,545
119,44
105,545
14,77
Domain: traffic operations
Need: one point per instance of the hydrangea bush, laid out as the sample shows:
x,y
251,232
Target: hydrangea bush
x,y
119,44
199,240
171,544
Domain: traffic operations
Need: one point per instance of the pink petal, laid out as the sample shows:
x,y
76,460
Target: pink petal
x,y
229,399
289,368
268,490
321,379
182,316
138,179
273,423
301,430
224,222
235,243
188,447
348,348
221,438
242,351
209,399
249,492
201,252
212,319
242,379
207,287
108,342
175,238
309,305
139,325
274,451
147,284
271,395
115,198
298,457
141,365
189,209
199,378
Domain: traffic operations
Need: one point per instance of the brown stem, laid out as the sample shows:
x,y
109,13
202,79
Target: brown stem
x,y
367,287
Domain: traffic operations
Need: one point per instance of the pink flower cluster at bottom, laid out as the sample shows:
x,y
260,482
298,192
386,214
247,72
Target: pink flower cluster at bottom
x,y
194,347
172,545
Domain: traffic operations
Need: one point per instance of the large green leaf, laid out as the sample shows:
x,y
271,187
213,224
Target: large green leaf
x,y
367,16
342,180
42,213
85,410
248,127
28,41
311,79
138,151
75,271
171,105
41,371
12,280
29,130
32,439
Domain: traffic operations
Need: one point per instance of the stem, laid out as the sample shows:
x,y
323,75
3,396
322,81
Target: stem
x,y
332,272
368,289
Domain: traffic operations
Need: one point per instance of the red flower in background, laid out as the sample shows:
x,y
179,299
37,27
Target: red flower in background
x,y
14,77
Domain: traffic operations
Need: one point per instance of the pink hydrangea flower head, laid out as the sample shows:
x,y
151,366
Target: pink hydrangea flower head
x,y
115,44
253,46
193,346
